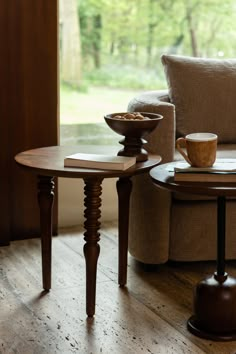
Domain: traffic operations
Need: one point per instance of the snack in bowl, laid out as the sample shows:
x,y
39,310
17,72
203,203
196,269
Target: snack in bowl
x,y
131,116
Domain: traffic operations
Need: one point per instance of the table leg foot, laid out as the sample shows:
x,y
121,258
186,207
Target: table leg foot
x,y
45,201
214,308
124,188
92,213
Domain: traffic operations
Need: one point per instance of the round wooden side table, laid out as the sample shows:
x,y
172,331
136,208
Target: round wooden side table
x,y
47,163
214,297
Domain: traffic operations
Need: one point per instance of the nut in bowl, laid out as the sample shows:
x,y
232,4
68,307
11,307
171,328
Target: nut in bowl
x,y
131,116
133,126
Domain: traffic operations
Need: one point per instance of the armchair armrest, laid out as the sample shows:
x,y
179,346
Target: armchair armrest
x,y
162,140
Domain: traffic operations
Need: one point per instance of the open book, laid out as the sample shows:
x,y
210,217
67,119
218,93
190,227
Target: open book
x,y
96,161
223,170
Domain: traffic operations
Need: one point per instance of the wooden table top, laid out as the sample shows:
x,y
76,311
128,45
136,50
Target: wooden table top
x,y
165,179
49,161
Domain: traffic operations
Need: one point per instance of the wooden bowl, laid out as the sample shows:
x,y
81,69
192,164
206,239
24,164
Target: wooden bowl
x,y
133,128
133,131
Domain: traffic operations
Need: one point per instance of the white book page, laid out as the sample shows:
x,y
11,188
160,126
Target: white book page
x,y
220,165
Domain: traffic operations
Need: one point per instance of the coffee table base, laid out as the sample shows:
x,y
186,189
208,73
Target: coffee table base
x,y
214,308
195,328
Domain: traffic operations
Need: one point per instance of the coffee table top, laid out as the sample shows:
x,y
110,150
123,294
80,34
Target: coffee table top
x,y
162,177
49,161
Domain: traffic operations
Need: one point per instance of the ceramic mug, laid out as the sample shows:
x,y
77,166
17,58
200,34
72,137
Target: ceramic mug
x,y
200,148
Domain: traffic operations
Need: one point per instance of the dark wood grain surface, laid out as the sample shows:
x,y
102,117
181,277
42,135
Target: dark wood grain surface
x,y
165,179
50,161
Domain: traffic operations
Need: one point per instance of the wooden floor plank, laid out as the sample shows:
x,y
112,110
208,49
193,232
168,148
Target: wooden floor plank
x,y
57,323
149,316
172,284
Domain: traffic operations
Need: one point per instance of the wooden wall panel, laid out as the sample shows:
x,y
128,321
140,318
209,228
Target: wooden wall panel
x,y
29,46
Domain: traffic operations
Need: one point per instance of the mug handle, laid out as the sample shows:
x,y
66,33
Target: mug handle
x,y
182,142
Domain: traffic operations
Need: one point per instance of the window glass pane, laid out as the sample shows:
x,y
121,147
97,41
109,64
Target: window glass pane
x,y
110,51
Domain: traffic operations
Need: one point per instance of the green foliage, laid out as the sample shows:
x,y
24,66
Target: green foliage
x,y
83,87
126,77
133,34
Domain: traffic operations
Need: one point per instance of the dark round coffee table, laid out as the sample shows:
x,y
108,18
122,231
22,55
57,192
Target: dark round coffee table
x,y
48,163
214,297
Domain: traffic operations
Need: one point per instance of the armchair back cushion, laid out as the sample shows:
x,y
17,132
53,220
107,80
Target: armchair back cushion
x,y
204,94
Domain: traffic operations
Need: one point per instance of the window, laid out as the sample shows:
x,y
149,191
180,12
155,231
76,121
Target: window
x,y
110,51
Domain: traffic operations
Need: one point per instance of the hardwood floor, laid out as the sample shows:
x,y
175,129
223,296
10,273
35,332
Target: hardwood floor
x,y
149,316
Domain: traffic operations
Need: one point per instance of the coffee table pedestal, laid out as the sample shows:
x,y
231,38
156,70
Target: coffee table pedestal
x,y
215,297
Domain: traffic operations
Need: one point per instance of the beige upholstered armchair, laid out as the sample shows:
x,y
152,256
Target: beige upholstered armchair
x,y
169,226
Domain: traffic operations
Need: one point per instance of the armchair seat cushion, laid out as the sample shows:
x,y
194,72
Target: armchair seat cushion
x,y
203,92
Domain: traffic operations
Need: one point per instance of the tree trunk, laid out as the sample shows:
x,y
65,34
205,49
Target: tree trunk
x,y
192,32
97,38
70,43
151,27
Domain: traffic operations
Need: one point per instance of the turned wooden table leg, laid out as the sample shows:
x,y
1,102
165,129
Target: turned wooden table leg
x,y
45,201
92,213
124,188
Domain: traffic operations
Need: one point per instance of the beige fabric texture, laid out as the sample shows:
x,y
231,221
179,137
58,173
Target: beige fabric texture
x,y
149,241
203,92
194,230
149,225
166,226
162,140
